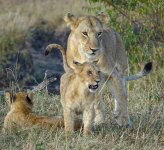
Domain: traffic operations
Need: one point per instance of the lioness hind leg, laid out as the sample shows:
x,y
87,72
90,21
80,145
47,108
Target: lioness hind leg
x,y
68,121
99,111
118,87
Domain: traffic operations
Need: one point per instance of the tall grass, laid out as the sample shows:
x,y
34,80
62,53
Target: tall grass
x,y
146,133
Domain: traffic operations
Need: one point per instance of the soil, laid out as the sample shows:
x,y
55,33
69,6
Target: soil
x,y
27,67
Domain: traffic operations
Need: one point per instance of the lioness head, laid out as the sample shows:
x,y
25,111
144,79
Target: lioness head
x,y
20,100
88,30
90,75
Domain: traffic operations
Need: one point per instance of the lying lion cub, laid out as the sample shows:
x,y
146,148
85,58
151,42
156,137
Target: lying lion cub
x,y
21,115
79,90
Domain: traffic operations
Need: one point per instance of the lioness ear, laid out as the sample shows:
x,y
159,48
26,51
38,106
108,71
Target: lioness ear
x,y
103,18
70,20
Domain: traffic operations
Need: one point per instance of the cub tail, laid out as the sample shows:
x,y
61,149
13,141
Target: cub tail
x,y
54,123
62,50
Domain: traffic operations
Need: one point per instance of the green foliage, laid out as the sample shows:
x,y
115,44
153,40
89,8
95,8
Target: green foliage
x,y
141,25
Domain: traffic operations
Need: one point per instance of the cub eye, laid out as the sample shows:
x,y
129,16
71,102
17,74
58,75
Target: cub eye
x,y
85,33
99,33
89,72
98,72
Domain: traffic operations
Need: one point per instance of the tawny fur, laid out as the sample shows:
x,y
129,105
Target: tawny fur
x,y
77,94
21,115
90,40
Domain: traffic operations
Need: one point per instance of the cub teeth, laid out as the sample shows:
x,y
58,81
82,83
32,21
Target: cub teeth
x,y
93,86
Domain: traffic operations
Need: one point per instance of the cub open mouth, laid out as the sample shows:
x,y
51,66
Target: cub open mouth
x,y
93,87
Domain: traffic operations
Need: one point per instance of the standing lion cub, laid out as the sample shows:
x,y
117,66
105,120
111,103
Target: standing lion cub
x,y
21,115
79,91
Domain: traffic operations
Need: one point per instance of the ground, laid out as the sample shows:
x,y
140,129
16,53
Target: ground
x,y
146,112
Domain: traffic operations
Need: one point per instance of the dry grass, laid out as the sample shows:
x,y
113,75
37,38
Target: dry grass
x,y
20,15
146,110
146,98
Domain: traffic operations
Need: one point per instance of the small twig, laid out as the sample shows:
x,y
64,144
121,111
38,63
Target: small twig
x,y
45,78
108,78
43,84
16,66
12,73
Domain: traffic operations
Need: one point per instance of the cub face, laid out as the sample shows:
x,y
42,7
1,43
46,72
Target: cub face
x,y
88,30
90,75
20,100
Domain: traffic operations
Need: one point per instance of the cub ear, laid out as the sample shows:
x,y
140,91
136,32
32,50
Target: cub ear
x,y
76,63
95,62
104,18
10,98
29,98
70,20
78,66
30,95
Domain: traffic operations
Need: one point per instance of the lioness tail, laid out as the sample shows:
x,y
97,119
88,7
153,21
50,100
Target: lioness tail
x,y
147,69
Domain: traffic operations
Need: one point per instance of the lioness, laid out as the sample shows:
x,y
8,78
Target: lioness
x,y
21,115
78,89
90,40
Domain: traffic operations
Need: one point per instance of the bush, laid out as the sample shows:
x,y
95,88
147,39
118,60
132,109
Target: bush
x,y
140,24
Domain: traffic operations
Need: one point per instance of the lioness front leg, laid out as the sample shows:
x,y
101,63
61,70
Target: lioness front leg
x,y
88,118
68,121
117,84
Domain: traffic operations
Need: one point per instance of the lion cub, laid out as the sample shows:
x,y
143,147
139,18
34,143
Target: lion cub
x,y
21,115
79,92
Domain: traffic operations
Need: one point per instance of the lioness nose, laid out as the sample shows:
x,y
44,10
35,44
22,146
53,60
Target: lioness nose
x,y
94,49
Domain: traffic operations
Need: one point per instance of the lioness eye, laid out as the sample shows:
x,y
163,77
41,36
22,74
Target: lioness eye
x,y
99,33
85,33
89,72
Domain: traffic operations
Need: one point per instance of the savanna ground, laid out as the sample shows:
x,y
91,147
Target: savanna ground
x,y
143,39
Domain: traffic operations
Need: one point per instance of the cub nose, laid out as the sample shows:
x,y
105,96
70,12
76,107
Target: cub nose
x,y
97,81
